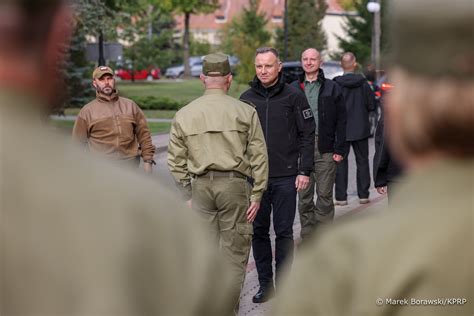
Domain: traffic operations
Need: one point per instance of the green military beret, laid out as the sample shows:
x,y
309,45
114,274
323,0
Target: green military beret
x,y
433,37
215,65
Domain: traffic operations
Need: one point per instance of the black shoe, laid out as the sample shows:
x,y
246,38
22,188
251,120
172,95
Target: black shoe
x,y
264,294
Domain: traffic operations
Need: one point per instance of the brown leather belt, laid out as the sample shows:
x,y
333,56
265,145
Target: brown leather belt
x,y
221,174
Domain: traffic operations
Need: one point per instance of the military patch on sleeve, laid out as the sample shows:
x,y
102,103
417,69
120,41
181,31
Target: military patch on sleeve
x,y
307,114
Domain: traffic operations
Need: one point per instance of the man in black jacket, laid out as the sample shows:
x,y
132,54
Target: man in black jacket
x,y
386,169
327,104
288,126
359,100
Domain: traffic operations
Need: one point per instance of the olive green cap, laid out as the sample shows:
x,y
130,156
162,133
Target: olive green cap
x,y
216,65
102,70
433,37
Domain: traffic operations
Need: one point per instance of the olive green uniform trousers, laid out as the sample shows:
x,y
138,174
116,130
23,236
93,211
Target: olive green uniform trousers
x,y
323,177
222,199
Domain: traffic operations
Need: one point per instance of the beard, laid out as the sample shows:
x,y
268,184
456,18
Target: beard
x,y
107,90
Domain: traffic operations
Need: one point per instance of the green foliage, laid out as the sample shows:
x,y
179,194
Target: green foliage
x,y
189,7
77,73
359,33
199,48
243,36
304,28
91,16
157,103
348,5
149,30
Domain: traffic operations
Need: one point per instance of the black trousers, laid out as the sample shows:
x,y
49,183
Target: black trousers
x,y
280,197
361,151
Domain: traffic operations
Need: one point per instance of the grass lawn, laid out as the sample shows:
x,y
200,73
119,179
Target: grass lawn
x,y
182,90
155,127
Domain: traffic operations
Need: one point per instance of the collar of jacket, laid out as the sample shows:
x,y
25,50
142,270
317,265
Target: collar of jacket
x,y
257,86
107,98
214,91
320,79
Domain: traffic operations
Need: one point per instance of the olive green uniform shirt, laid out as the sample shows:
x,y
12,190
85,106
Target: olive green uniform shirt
x,y
80,237
422,248
311,90
218,132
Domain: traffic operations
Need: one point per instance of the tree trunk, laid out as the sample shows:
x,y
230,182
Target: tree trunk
x,y
187,68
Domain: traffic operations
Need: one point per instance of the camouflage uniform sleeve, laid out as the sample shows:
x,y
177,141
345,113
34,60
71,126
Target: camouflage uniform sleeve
x,y
80,131
257,151
178,160
143,135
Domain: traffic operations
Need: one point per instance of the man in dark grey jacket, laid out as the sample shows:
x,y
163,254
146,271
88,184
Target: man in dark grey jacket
x,y
327,104
359,100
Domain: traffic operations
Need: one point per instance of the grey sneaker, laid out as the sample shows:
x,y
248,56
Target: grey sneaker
x,y
364,201
340,203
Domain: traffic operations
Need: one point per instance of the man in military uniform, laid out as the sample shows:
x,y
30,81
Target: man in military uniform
x,y
216,144
113,125
418,258
79,237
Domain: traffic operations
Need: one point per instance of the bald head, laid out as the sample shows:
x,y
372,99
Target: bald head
x,y
348,62
311,61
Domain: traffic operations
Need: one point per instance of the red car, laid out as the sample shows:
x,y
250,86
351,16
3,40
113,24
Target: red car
x,y
126,74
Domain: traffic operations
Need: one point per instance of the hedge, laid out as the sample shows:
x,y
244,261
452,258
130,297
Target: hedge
x,y
158,103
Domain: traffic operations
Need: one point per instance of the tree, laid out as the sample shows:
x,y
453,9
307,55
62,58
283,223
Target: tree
x,y
304,27
243,36
91,17
189,7
148,28
359,33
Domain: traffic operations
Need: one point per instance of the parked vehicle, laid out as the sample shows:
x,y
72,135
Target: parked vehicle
x,y
381,87
177,71
196,67
143,74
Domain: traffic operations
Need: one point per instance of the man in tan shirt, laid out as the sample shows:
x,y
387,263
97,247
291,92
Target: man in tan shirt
x,y
113,125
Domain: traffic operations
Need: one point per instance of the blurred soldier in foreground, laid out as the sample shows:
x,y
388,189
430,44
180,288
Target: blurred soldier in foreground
x,y
78,237
113,125
216,144
423,248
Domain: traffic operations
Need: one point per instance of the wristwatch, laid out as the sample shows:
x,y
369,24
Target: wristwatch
x,y
150,161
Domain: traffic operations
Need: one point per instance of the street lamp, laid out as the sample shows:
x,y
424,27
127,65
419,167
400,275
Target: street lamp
x,y
373,6
285,27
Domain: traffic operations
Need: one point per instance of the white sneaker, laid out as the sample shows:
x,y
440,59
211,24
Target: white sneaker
x,y
340,203
364,201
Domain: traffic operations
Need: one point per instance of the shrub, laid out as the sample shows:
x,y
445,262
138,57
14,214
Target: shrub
x,y
157,103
